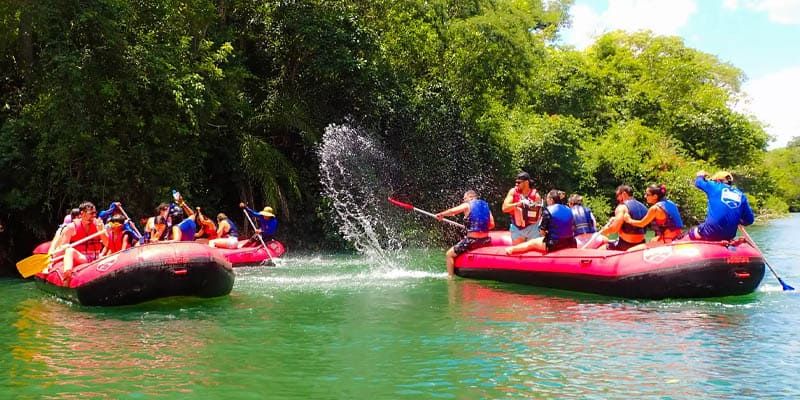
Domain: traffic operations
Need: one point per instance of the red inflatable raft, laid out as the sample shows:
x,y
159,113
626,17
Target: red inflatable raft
x,y
144,273
254,254
677,270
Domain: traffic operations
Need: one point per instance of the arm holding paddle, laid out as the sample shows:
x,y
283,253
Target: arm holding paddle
x,y
410,207
38,262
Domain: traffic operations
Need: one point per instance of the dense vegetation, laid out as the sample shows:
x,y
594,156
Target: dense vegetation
x,y
227,99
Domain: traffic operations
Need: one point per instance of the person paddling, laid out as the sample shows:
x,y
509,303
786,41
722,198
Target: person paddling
x,y
85,226
267,223
479,221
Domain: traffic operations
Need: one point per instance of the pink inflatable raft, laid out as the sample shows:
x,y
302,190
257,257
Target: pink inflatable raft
x,y
254,254
677,270
143,273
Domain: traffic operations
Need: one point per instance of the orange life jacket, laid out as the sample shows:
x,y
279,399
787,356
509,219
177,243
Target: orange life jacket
x,y
90,248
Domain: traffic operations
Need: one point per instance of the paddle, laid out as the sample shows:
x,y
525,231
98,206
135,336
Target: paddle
x,y
597,233
410,207
260,239
38,262
133,224
752,243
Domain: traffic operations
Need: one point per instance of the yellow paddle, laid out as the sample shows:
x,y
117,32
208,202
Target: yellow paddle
x,y
38,262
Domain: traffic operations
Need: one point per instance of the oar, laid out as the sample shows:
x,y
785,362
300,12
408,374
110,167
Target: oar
x,y
597,233
38,262
260,239
752,243
133,224
410,207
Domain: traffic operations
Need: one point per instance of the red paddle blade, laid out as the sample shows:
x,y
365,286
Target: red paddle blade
x,y
400,204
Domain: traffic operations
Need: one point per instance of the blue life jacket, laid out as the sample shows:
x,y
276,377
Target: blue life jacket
x,y
582,217
560,223
478,220
234,231
637,210
674,220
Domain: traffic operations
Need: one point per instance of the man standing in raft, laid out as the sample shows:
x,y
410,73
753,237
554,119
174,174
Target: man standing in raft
x,y
525,206
629,235
479,221
727,208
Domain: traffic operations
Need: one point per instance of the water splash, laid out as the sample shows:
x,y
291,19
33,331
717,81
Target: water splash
x,y
353,171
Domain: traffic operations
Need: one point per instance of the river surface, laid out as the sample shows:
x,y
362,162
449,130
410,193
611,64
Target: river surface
x,y
344,327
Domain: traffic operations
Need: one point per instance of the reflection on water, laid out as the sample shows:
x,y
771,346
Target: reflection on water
x,y
61,345
327,326
559,346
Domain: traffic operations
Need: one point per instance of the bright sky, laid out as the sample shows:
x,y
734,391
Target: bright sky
x,y
761,37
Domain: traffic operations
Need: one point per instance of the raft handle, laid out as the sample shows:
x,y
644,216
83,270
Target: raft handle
x,y
182,271
741,274
585,263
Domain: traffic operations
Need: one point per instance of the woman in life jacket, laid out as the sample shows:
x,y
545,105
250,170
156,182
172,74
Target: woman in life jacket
x,y
585,225
556,228
156,227
227,233
118,237
662,216
205,226
72,216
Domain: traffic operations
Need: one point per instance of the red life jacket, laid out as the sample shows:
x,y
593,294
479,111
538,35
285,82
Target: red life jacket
x,y
115,240
522,217
92,247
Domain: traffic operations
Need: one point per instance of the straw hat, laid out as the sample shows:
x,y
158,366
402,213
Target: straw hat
x,y
267,212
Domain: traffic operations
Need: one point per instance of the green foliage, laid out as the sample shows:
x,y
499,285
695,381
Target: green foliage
x,y
546,147
227,100
679,91
638,156
783,166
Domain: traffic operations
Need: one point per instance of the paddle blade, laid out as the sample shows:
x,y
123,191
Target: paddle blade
x,y
785,286
400,204
33,265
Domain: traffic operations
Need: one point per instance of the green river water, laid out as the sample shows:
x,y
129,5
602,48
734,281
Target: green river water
x,y
342,327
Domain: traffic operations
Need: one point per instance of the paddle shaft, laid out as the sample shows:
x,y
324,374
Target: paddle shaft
x,y
410,207
451,222
596,234
753,243
81,241
260,239
133,224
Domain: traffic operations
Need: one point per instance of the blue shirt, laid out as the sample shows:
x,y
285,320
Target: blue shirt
x,y
727,208
188,228
268,226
